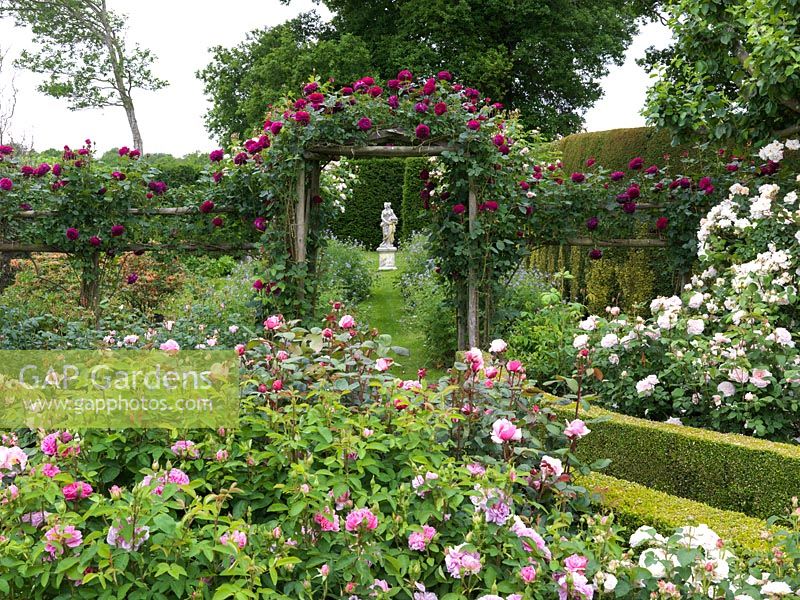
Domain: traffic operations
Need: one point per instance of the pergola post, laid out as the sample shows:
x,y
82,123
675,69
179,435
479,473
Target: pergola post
x,y
472,280
301,226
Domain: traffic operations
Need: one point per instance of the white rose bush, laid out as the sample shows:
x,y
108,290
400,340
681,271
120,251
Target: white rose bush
x,y
723,355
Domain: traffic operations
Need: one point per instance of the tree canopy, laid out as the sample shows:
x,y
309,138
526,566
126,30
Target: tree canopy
x,y
80,48
543,58
733,71
243,81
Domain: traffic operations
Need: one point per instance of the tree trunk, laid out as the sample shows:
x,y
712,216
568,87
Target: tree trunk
x,y
127,103
117,59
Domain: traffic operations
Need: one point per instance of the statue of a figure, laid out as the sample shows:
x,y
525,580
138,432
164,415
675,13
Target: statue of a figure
x,y
388,224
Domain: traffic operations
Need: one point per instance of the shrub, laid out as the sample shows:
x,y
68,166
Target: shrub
x,y
379,180
536,335
426,301
714,468
345,273
615,147
722,356
635,505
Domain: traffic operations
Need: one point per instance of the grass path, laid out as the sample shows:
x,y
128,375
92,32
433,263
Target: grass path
x,y
385,310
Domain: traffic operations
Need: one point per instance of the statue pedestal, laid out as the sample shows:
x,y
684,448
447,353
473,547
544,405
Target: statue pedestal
x,y
386,260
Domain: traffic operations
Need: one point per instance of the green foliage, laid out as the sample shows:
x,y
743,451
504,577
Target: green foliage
x,y
545,63
426,301
242,82
378,180
714,468
412,216
635,505
345,273
537,334
732,71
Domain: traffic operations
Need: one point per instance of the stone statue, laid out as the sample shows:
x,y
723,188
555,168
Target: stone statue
x,y
388,224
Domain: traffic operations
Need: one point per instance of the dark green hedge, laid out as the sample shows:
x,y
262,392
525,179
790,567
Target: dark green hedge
x,y
727,471
413,217
379,180
635,505
615,147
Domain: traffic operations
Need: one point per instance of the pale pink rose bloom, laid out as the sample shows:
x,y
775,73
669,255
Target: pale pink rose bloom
x,y
64,536
491,372
170,346
383,364
238,538
240,349
474,359
576,429
13,459
739,375
325,570
347,322
367,432
726,388
221,455
504,430
551,466
497,346
758,378
233,328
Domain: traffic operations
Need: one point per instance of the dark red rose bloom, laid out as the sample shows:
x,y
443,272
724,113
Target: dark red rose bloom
x,y
95,241
216,155
616,175
302,117
117,230
578,177
590,162
525,185
629,207
459,209
595,254
364,124
276,127
393,102
424,175
132,278
651,170
633,192
404,75
444,76
206,206
423,132
217,221
592,223
473,125
661,223
636,163
429,87
440,108
72,234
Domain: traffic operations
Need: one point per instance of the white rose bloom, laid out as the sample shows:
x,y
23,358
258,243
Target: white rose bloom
x,y
696,300
580,341
727,389
609,583
609,340
792,144
644,534
647,385
613,359
673,421
695,326
776,588
773,152
655,558
497,346
589,323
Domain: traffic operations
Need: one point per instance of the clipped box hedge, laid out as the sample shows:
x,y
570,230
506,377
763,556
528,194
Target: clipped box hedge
x,y
727,471
635,505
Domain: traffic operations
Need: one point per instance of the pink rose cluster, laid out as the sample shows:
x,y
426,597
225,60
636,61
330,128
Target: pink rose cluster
x,y
236,537
185,449
60,537
461,562
361,520
419,540
175,476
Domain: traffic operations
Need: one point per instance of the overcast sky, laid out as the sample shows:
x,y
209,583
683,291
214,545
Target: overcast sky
x,y
179,32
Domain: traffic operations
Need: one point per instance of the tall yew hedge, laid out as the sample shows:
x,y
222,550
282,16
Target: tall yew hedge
x,y
379,180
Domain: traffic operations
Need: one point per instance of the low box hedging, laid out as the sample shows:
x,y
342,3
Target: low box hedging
x,y
635,505
727,471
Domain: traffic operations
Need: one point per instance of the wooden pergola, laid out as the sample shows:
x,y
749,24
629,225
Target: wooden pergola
x,y
382,144
311,168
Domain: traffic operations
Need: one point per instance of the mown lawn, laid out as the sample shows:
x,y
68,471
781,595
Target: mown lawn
x,y
385,311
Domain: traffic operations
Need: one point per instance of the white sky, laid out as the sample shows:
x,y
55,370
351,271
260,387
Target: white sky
x,y
179,32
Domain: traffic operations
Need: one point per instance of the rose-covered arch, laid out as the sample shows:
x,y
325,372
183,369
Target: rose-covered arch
x,y
479,218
